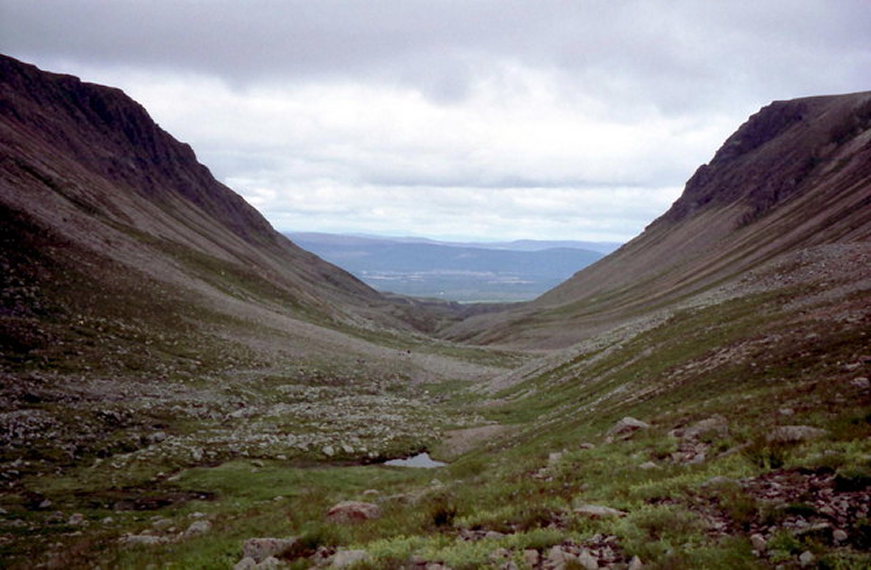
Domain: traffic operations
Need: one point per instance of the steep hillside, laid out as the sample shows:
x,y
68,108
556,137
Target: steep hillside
x,y
797,174
86,163
137,293
106,215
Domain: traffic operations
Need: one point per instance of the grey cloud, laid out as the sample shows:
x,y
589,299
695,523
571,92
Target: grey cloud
x,y
667,52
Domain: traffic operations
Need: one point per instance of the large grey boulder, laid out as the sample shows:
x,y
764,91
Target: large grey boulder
x,y
353,511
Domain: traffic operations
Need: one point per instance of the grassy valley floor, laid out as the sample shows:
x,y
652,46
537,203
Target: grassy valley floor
x,y
750,447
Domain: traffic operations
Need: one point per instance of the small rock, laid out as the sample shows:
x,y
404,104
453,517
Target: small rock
x,y
558,556
246,563
647,465
142,539
108,520
345,558
328,450
795,434
861,382
713,426
626,427
586,445
786,411
347,449
161,524
197,454
371,492
635,564
531,557
157,437
807,558
598,511
260,549
839,536
270,563
353,511
45,504
198,527
719,480
554,458
500,554
76,519
759,543
587,560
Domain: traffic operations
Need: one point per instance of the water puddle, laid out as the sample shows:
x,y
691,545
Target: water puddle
x,y
419,461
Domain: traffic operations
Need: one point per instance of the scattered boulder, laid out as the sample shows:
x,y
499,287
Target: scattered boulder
x,y
807,558
353,511
142,540
795,434
197,528
714,426
531,557
270,563
861,382
759,543
598,511
161,523
344,558
259,549
554,458
558,557
587,560
246,564
76,519
624,428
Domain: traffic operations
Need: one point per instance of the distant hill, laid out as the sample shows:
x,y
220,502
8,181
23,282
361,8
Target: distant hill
x,y
465,272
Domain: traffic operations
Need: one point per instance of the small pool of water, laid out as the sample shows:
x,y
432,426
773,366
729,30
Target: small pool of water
x,y
419,461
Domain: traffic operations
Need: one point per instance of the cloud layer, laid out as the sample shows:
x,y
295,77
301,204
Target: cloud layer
x,y
486,120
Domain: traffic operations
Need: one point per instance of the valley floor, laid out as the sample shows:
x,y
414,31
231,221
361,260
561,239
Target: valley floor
x,y
731,431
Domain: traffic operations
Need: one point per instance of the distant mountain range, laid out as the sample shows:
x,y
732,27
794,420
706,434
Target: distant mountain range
x,y
466,272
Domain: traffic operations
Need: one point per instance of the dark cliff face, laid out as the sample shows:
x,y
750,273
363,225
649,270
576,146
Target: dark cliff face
x,y
773,156
111,135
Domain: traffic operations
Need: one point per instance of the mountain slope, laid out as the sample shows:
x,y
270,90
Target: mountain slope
x,y
797,174
114,235
87,162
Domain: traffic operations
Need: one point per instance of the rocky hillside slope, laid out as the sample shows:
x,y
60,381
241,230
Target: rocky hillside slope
x,y
797,174
106,217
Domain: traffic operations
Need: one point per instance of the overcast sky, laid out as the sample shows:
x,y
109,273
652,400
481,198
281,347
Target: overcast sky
x,y
452,119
